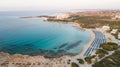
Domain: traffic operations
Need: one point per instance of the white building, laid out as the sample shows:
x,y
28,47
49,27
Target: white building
x,y
62,16
119,36
106,28
116,16
114,31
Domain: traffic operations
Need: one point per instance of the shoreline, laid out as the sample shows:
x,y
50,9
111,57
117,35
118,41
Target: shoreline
x,y
86,46
78,26
63,60
21,60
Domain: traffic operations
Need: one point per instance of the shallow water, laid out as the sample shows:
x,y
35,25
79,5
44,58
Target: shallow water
x,y
36,37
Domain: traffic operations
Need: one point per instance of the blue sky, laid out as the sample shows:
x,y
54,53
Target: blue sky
x,y
58,4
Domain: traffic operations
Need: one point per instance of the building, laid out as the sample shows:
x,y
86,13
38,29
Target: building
x,y
62,16
116,17
106,28
114,31
118,35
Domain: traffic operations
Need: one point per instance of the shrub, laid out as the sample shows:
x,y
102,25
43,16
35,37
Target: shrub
x,y
74,65
81,61
110,61
97,64
101,53
109,46
88,60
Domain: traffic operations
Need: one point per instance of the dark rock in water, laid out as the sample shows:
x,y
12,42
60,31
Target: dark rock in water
x,y
28,44
55,48
72,54
49,54
63,45
61,51
74,45
32,52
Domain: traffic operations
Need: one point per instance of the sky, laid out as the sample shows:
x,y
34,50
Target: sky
x,y
58,4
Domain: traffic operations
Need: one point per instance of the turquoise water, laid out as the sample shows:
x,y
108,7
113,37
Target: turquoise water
x,y
36,37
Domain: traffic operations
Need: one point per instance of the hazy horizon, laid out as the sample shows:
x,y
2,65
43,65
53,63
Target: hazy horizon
x,y
9,5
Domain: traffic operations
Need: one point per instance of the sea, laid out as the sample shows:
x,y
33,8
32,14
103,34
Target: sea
x,y
34,36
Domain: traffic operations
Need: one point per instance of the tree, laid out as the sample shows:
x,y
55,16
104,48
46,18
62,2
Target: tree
x,y
81,61
74,65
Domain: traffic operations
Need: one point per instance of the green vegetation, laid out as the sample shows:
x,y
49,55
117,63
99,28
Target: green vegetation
x,y
101,53
74,65
91,21
96,21
81,61
110,61
88,59
109,46
57,20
